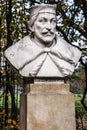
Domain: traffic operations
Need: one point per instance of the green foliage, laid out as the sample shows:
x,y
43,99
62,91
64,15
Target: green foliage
x,y
81,113
8,123
78,97
77,80
17,100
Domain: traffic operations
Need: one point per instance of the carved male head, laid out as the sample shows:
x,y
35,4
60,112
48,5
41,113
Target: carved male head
x,y
43,23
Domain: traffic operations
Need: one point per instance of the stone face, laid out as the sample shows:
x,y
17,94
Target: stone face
x,y
50,107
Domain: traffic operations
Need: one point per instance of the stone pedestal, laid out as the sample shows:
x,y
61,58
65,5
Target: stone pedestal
x,y
49,107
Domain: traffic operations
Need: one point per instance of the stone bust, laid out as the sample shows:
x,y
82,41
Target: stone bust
x,y
43,53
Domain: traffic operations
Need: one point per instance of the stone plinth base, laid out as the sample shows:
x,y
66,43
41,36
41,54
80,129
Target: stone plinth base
x,y
50,107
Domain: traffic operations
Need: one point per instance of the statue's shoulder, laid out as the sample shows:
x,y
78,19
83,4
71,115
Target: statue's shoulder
x,y
61,42
24,42
65,45
68,49
19,52
18,46
27,40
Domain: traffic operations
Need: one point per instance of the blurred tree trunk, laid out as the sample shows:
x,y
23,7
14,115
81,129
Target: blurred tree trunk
x,y
9,77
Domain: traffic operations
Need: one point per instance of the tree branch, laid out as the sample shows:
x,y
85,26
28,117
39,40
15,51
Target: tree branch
x,y
73,24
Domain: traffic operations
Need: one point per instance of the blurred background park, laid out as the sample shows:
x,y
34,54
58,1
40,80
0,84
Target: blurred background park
x,y
71,25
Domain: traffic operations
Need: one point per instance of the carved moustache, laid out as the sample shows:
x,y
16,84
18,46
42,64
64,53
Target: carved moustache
x,y
48,32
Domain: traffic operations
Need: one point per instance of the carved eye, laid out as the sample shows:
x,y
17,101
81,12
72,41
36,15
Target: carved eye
x,y
53,21
43,20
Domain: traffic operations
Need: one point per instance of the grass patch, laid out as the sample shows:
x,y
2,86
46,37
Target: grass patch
x,y
2,100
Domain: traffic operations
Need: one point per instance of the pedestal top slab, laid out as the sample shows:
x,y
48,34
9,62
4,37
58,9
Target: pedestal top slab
x,y
49,88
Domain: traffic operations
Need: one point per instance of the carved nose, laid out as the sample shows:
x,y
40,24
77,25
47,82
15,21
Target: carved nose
x,y
48,26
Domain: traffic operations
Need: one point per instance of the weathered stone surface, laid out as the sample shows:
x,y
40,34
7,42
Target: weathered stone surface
x,y
49,88
50,107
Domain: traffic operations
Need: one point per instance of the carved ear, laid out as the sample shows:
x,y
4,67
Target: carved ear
x,y
31,27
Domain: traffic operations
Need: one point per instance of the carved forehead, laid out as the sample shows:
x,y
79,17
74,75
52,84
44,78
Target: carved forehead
x,y
46,15
42,8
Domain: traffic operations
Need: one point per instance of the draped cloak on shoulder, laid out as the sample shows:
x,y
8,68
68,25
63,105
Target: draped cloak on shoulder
x,y
31,60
